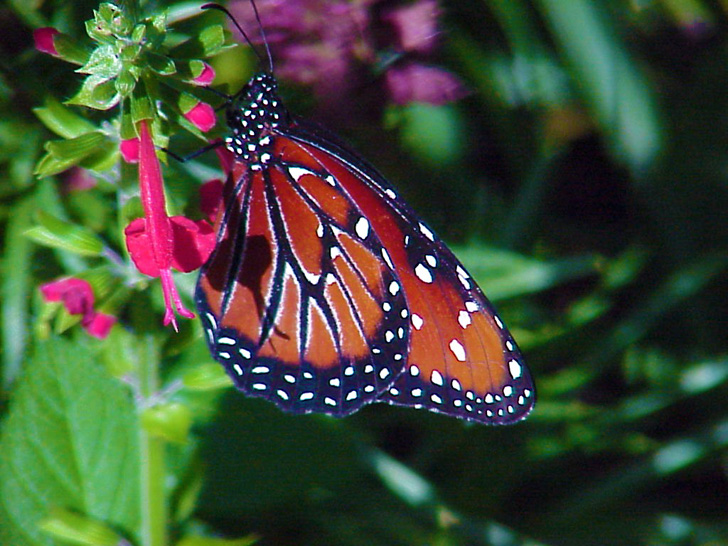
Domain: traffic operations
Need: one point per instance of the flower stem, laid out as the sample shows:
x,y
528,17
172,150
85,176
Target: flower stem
x,y
151,452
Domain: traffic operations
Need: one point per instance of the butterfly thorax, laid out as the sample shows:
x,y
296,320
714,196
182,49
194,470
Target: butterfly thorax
x,y
252,115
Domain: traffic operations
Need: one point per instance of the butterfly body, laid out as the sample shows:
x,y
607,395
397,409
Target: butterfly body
x,y
326,292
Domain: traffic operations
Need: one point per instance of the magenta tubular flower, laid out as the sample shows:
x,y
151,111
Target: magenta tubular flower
x,y
44,40
157,224
78,298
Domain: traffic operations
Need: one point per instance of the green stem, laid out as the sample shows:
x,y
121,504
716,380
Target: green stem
x,y
151,453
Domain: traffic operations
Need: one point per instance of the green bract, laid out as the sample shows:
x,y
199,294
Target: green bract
x,y
134,63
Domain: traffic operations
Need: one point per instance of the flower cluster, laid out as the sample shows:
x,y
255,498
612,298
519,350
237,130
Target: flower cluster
x,y
77,297
326,43
131,67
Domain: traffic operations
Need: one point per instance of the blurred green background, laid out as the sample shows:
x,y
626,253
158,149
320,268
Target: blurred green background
x,y
583,181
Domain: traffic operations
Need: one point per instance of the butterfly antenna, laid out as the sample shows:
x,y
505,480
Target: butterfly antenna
x,y
245,35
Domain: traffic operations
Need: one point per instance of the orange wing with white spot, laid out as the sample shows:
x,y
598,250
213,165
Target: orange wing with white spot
x,y
326,292
461,359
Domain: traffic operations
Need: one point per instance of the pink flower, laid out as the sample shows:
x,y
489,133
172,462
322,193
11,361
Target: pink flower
x,y
415,26
129,149
78,179
420,83
205,77
192,243
157,226
78,298
202,116
44,40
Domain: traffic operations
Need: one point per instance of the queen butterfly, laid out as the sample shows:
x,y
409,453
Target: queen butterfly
x,y
326,292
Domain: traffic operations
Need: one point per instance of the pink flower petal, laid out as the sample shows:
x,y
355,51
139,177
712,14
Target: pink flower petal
x,y
206,76
76,294
129,149
99,325
193,243
420,83
139,245
78,179
78,299
202,116
44,40
415,25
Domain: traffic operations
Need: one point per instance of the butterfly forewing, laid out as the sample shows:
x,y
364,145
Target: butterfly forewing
x,y
462,361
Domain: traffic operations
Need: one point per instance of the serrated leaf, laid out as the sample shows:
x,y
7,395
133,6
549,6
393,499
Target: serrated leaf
x,y
70,440
57,233
97,92
61,120
104,62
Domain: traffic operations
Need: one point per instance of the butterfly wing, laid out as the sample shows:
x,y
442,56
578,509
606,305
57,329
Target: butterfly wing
x,y
297,300
462,361
326,292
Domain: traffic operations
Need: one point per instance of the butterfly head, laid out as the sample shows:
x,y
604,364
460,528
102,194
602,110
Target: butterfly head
x,y
252,115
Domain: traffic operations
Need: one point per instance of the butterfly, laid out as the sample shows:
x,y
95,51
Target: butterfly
x,y
326,291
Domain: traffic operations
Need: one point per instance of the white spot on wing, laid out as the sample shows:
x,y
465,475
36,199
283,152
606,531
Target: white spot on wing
x,y
393,288
426,232
417,321
430,259
464,319
515,368
362,228
387,259
471,306
458,350
424,274
436,378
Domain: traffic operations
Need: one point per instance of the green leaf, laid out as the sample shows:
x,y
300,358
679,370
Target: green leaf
x,y
56,233
70,440
104,62
161,65
76,529
69,49
63,154
97,92
208,42
15,288
616,90
62,120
